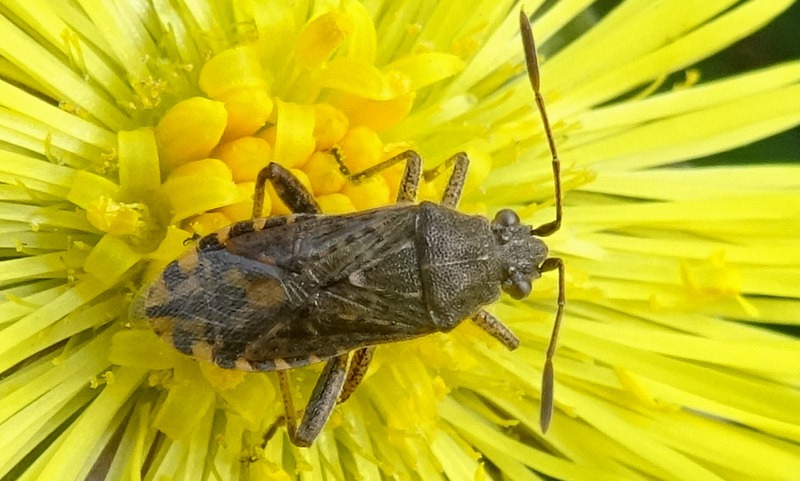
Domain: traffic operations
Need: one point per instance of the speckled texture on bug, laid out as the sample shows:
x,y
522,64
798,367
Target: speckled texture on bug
x,y
276,294
300,289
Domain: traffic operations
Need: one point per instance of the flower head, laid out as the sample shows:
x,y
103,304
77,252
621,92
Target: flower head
x,y
127,128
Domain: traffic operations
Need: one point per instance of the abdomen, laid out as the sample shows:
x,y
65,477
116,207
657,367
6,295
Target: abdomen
x,y
213,304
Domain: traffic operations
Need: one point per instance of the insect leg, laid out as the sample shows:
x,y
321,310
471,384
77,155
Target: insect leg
x,y
455,185
323,400
273,428
289,189
359,364
409,183
290,415
496,329
533,74
547,375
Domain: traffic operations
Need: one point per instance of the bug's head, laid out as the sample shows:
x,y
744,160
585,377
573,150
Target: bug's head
x,y
520,253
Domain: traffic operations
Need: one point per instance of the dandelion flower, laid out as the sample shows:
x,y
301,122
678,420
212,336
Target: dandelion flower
x,y
128,127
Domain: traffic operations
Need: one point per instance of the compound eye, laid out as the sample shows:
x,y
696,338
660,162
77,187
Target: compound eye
x,y
518,288
506,217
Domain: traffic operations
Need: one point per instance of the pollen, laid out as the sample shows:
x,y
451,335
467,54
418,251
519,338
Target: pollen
x,y
116,218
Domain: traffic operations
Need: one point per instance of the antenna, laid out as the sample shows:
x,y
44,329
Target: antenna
x,y
529,46
547,229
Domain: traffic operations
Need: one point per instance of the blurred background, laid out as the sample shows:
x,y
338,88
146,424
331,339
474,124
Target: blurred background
x,y
778,42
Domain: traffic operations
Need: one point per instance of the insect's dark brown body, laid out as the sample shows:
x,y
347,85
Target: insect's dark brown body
x,y
322,285
275,293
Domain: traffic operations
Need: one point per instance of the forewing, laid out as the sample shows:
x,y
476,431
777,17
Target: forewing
x,y
326,249
213,304
367,287
296,293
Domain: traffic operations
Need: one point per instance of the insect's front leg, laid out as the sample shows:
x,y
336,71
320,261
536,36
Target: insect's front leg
x,y
455,185
496,329
294,194
408,185
320,405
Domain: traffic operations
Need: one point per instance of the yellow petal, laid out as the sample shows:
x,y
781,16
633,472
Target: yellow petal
x,y
321,36
417,71
233,69
110,258
357,78
294,140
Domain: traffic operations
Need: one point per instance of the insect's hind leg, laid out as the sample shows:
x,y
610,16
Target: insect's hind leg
x,y
289,189
319,407
359,364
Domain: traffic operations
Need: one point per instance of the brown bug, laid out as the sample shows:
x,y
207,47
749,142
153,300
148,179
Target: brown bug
x,y
276,293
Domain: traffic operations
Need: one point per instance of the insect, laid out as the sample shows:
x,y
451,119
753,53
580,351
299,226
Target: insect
x,y
276,293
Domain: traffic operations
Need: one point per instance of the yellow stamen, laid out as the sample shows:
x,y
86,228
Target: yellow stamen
x,y
378,115
202,168
324,174
248,109
361,148
373,192
245,157
117,218
321,37
330,126
173,418
189,131
141,348
335,204
187,200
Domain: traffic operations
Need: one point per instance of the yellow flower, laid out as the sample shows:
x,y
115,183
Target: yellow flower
x,y
127,127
